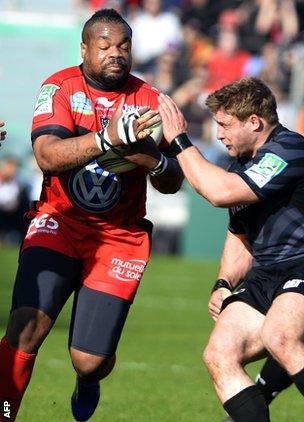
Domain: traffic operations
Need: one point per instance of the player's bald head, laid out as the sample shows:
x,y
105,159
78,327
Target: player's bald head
x,y
102,16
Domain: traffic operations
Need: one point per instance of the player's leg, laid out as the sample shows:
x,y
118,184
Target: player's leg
x,y
272,379
44,281
235,341
98,320
285,318
112,272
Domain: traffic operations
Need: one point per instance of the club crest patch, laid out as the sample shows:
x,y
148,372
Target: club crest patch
x,y
44,103
266,169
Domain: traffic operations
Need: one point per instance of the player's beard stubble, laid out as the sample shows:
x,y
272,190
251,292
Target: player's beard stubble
x,y
107,79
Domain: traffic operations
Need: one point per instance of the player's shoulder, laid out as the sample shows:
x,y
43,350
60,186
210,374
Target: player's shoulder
x,y
139,84
64,75
285,135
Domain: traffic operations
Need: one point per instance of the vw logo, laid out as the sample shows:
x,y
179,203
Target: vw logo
x,y
95,189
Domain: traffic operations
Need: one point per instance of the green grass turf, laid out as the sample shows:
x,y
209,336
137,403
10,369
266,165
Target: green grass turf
x,y
159,376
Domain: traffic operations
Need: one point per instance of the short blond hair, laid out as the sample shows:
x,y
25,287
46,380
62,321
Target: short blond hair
x,y
243,98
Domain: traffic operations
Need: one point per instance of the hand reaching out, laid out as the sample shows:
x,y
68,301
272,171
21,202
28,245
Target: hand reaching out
x,y
174,123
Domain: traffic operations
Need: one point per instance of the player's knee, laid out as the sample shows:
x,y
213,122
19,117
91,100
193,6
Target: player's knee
x,y
214,356
279,344
91,367
27,328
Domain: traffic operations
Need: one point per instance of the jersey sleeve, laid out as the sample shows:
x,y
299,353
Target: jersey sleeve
x,y
235,225
277,166
52,115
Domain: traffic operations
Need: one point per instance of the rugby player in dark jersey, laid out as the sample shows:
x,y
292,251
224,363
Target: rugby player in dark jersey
x,y
264,247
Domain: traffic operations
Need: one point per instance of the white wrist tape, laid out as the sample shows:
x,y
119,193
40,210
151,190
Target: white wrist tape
x,y
125,127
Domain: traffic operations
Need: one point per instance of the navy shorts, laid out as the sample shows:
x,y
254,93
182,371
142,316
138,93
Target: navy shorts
x,y
263,284
46,279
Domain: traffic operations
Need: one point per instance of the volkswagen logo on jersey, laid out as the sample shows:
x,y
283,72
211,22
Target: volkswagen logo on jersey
x,y
95,189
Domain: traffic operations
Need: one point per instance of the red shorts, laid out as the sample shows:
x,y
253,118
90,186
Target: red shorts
x,y
113,259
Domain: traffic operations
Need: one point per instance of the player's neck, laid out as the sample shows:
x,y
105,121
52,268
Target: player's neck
x,y
264,137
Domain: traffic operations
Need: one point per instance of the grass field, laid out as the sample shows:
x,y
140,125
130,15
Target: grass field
x,y
159,376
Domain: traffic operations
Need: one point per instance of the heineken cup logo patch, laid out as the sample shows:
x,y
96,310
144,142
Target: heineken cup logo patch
x,y
44,104
266,169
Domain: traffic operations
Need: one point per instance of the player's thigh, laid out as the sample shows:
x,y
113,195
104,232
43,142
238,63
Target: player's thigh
x,y
98,319
45,279
237,333
285,318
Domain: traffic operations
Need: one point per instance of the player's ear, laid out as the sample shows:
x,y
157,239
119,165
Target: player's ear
x,y
255,122
83,49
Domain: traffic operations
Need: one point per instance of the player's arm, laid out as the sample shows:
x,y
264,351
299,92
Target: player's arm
x,y
56,155
2,132
165,173
236,261
219,187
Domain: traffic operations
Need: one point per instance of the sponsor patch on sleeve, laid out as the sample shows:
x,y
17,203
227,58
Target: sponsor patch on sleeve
x,y
266,169
44,104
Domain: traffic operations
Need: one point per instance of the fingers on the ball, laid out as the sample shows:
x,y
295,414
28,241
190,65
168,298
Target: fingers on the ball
x,y
146,117
143,110
143,133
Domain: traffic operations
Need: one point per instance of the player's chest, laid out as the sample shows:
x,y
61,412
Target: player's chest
x,y
93,111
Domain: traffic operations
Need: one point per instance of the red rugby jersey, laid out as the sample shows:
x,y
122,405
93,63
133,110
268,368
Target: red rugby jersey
x,y
67,106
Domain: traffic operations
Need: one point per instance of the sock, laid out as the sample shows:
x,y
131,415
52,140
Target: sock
x,y
272,379
298,379
16,369
248,405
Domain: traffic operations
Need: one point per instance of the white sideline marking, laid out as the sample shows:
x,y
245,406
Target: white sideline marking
x,y
147,367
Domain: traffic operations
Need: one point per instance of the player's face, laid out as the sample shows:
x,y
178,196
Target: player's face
x,y
107,56
238,137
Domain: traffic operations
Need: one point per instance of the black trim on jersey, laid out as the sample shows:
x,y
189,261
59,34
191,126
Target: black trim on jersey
x,y
80,130
57,130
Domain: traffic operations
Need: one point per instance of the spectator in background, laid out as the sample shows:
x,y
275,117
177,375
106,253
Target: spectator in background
x,y
13,202
262,21
227,62
278,19
300,120
273,69
207,12
197,47
163,73
154,31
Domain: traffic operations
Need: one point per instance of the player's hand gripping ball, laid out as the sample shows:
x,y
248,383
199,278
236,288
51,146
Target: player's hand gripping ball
x,y
114,163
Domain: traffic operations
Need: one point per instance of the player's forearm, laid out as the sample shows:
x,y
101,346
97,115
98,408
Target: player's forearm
x,y
236,259
171,180
219,187
56,155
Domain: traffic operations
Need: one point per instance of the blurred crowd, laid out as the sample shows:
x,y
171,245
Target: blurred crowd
x,y
188,48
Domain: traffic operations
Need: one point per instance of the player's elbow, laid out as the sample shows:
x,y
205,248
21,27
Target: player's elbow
x,y
43,150
216,198
45,162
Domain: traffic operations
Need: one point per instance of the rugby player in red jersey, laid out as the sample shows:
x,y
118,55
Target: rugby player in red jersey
x,y
87,234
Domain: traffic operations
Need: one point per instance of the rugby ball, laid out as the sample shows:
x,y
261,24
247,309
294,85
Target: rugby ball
x,y
114,163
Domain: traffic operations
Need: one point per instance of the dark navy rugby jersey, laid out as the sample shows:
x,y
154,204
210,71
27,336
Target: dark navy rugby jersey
x,y
275,225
